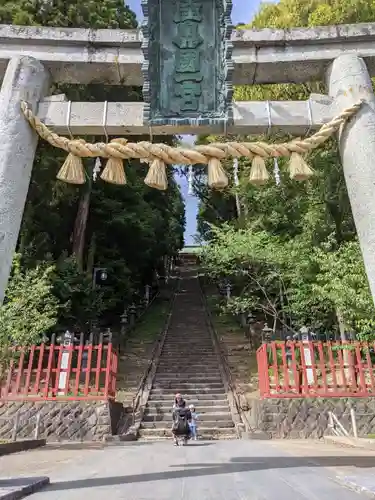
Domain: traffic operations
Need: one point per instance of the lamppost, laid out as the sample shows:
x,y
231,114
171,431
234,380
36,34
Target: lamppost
x,y
132,314
147,294
124,322
98,274
228,291
250,320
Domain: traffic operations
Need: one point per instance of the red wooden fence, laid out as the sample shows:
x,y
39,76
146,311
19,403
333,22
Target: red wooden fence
x,y
316,369
49,372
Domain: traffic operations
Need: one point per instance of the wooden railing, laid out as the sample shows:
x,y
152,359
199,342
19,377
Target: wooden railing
x,y
50,372
316,369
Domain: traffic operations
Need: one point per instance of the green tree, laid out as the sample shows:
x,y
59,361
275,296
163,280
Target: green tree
x,y
68,14
127,229
30,309
309,225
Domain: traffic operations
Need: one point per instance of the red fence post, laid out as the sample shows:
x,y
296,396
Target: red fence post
x,y
263,376
37,373
114,369
108,370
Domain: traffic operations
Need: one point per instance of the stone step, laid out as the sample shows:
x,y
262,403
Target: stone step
x,y
183,386
202,404
186,360
186,375
190,398
216,390
190,348
187,341
182,378
203,433
188,371
166,425
207,355
193,366
181,338
184,354
184,337
183,359
203,417
202,408
178,344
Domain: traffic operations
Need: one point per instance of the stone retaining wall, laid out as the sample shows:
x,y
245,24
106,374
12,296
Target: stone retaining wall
x,y
308,418
61,420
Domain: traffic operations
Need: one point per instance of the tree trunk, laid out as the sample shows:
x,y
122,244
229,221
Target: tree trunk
x,y
341,323
91,254
80,224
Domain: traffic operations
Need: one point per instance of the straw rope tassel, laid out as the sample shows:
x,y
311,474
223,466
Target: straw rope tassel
x,y
217,178
298,168
72,170
258,173
157,176
114,172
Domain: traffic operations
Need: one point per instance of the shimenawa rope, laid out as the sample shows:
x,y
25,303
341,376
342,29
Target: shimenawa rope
x,y
158,155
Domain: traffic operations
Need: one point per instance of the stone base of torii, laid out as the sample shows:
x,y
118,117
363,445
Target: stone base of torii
x,y
348,81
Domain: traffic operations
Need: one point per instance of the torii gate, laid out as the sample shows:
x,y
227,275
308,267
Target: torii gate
x,y
31,58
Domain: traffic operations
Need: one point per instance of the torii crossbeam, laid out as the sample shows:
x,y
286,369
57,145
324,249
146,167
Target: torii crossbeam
x,y
342,56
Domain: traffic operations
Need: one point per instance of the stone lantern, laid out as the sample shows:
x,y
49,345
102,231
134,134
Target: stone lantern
x,y
266,334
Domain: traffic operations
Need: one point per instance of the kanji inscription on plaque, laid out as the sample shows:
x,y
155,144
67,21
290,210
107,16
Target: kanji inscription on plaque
x,y
187,69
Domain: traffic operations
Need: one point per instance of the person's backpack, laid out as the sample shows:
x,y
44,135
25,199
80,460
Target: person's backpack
x,y
180,425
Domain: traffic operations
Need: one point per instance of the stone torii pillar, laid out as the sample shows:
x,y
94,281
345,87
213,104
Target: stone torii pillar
x,y
348,82
25,79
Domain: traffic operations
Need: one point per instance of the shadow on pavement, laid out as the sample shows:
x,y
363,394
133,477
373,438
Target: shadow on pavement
x,y
236,465
90,446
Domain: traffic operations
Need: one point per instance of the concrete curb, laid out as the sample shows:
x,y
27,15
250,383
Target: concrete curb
x,y
348,442
21,487
17,446
257,434
362,485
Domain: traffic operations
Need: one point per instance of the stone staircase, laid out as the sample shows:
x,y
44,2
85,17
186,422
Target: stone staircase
x,y
188,364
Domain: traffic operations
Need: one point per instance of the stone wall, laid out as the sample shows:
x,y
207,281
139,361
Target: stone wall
x,y
308,418
61,420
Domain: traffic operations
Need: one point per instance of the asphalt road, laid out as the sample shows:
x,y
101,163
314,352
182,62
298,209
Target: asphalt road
x,y
230,470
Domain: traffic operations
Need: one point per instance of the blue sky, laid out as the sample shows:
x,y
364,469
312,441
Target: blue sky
x,y
243,11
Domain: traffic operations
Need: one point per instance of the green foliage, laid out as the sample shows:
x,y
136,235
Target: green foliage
x,y
126,229
73,290
68,13
292,281
342,281
30,309
290,13
293,252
